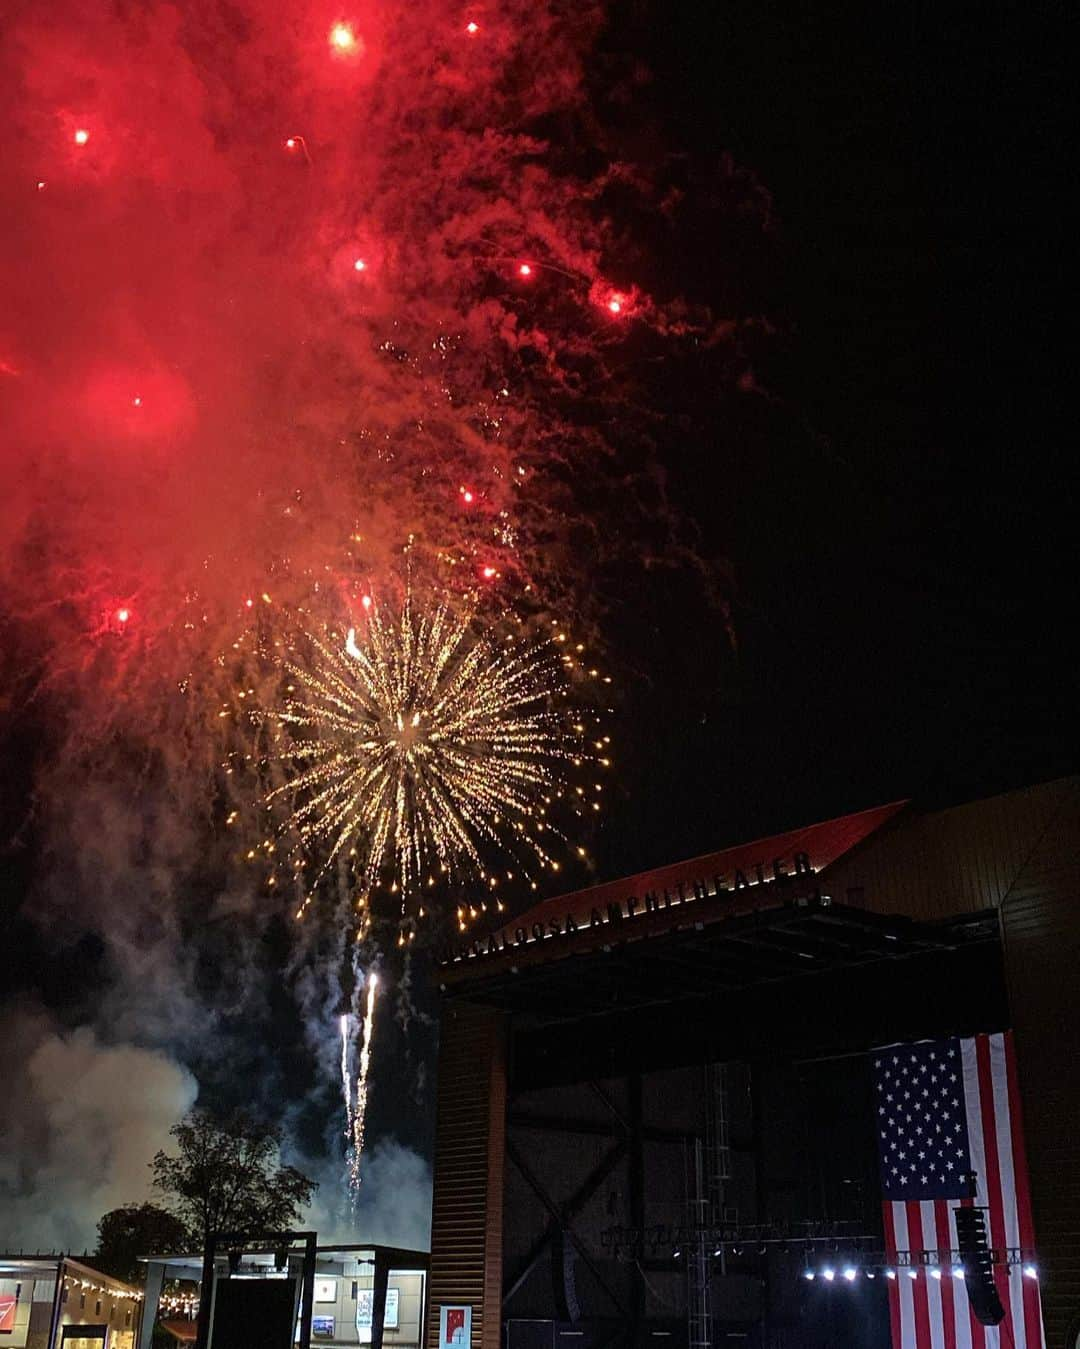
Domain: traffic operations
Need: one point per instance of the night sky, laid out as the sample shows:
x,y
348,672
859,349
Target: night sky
x,y
878,500
892,506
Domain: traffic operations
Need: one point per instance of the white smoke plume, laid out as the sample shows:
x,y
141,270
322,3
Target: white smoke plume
x,y
80,1121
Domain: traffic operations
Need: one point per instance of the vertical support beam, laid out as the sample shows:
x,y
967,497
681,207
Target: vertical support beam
x,y
378,1298
470,1152
155,1279
307,1289
637,1200
57,1304
207,1290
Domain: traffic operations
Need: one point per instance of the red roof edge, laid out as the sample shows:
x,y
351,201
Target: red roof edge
x,y
816,845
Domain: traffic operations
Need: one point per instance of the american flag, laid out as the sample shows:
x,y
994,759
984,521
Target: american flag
x,y
946,1109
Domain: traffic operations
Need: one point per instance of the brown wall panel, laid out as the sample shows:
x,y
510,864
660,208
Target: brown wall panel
x,y
470,1141
1041,931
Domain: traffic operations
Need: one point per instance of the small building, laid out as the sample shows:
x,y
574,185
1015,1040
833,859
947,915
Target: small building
x,y
55,1302
348,1282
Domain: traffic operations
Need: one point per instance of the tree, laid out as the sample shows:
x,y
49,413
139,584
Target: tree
x,y
228,1177
133,1230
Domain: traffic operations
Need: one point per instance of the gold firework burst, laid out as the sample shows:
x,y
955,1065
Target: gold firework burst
x,y
416,747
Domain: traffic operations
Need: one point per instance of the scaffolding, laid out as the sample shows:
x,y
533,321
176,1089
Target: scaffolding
x,y
708,1172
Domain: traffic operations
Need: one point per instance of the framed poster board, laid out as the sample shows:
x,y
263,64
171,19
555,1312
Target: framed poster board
x,y
365,1308
455,1327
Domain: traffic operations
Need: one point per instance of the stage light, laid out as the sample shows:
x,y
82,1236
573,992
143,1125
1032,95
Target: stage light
x,y
472,28
870,1274
1030,1272
615,305
360,265
122,615
524,270
935,1273
676,1253
342,37
958,1272
81,136
808,1274
828,1274
912,1274
890,1273
718,1252
851,1273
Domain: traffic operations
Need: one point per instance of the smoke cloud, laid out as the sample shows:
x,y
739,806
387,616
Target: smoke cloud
x,y
81,1121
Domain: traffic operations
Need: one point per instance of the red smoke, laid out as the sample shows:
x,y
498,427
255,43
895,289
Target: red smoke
x,y
268,315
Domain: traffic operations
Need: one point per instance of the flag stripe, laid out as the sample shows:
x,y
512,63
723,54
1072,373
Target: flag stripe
x,y
934,1300
1033,1327
894,1284
944,1243
918,1285
905,1285
1002,1123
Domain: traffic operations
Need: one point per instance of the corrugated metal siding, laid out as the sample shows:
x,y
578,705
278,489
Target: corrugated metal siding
x,y
470,1146
953,861
1041,932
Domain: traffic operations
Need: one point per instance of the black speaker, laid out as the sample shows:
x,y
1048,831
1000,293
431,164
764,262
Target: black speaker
x,y
564,1282
978,1265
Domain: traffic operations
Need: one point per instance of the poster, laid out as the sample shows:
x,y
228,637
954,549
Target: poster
x,y
455,1327
323,1325
365,1303
8,1304
326,1290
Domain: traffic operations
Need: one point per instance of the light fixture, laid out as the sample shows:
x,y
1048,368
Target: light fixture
x,y
828,1274
912,1274
1030,1272
890,1273
871,1274
808,1274
958,1272
850,1273
935,1273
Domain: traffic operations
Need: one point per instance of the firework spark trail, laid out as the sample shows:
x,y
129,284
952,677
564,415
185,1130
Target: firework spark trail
x,y
419,748
359,1110
346,1083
